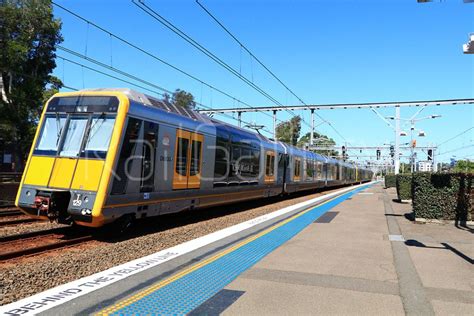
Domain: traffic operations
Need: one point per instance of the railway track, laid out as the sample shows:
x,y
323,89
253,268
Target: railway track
x,y
18,221
12,216
22,245
9,211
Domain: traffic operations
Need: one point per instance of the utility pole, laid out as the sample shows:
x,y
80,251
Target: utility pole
x,y
274,124
397,140
239,118
312,128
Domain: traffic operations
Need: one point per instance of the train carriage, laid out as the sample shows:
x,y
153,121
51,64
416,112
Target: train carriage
x,y
116,154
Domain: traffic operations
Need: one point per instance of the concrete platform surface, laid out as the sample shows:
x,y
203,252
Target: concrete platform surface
x,y
357,253
350,266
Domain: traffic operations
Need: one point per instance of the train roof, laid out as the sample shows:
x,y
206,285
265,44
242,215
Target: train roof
x,y
269,143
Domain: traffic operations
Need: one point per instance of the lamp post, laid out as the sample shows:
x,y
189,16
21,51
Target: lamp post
x,y
412,120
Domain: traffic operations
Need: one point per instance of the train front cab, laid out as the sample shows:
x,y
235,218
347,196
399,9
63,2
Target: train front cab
x,y
70,162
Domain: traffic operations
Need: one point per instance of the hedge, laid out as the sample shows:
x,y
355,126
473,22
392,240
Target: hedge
x,y
443,196
403,183
390,181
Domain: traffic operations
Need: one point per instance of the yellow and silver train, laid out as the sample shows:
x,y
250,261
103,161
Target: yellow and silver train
x,y
116,154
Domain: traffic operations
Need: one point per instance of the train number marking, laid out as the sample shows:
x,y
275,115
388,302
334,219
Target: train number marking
x,y
77,201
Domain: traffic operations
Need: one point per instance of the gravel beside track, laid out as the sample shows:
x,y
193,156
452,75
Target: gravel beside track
x,y
27,228
28,276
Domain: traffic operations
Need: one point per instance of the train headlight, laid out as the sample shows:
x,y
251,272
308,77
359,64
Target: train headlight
x,y
86,211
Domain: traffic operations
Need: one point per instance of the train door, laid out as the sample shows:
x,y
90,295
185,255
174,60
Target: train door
x,y
188,160
147,182
282,164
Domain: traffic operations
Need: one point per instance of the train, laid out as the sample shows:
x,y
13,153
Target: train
x,y
103,156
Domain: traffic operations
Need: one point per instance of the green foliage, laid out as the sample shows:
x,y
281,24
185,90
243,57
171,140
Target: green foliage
x,y
390,181
183,99
405,167
403,184
289,131
29,35
319,140
465,166
442,196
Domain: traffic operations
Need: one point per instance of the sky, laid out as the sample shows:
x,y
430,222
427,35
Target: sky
x,y
339,51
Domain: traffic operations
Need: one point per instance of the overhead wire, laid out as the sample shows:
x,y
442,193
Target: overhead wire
x,y
137,85
178,69
263,65
456,149
454,137
248,51
155,15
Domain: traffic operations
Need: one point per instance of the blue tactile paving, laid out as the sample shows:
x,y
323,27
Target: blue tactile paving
x,y
188,292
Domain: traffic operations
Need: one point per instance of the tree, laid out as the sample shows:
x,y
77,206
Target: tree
x,y
320,140
29,35
289,131
466,166
183,99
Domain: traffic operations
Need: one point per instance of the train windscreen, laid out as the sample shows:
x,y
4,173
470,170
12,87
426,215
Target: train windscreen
x,y
76,135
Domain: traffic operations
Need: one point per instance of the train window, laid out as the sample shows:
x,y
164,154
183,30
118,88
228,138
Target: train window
x,y
50,135
128,147
74,134
270,164
297,167
98,138
246,164
182,156
309,169
255,162
195,158
148,157
221,165
234,170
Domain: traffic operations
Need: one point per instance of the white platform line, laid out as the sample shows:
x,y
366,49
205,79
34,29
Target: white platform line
x,y
59,295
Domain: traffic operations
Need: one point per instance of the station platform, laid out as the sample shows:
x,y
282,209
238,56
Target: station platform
x,y
356,253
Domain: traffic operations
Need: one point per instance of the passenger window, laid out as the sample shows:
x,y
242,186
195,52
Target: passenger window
x,y
221,164
270,164
297,167
309,168
195,158
255,162
182,156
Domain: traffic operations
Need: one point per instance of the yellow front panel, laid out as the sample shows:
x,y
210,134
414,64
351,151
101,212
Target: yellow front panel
x,y
39,170
87,176
62,173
